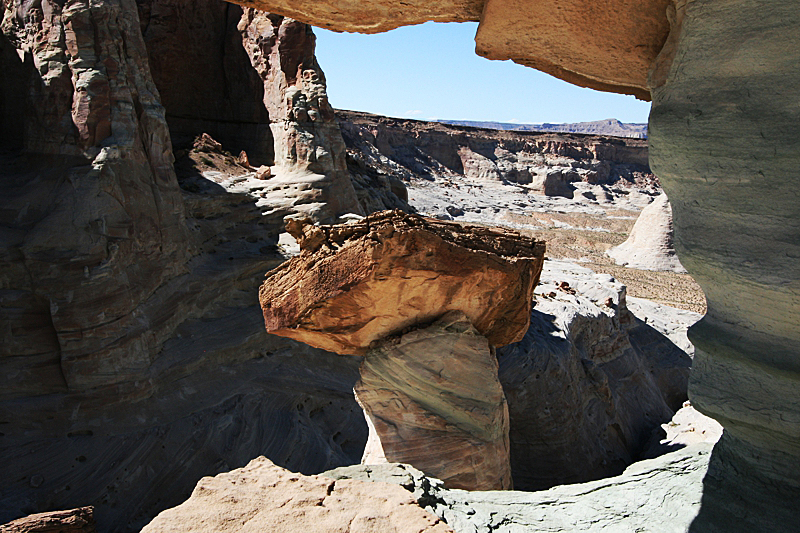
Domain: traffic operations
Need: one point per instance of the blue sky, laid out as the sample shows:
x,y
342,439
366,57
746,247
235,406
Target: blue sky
x,y
431,71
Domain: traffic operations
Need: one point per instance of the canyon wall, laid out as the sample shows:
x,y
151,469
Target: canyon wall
x,y
134,359
400,149
723,134
117,280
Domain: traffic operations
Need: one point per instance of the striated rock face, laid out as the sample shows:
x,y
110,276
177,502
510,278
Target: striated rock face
x,y
650,243
250,80
132,348
724,140
79,520
588,383
434,401
93,223
545,163
357,283
265,497
204,77
662,494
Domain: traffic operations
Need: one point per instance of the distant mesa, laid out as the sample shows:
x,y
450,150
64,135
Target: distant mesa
x,y
609,126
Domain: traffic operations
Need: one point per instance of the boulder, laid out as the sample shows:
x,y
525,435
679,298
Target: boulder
x,y
650,243
419,392
264,497
358,283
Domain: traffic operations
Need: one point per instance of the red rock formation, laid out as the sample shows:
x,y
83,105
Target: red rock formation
x,y
204,77
357,283
250,80
432,395
308,143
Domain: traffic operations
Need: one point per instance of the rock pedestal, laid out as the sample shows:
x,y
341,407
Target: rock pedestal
x,y
434,400
430,391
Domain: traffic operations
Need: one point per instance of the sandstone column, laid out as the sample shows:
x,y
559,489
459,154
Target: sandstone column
x,y
309,148
724,132
423,301
433,399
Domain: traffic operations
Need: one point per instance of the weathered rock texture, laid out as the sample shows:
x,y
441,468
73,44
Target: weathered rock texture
x,y
650,243
662,495
250,79
134,358
358,283
561,37
80,520
723,131
308,143
546,163
264,497
374,17
669,321
588,383
432,394
434,401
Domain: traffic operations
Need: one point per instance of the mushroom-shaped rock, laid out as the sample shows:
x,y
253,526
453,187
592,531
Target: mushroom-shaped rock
x,y
424,301
354,284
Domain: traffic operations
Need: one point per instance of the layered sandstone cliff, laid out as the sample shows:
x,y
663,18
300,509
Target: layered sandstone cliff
x,y
545,163
133,354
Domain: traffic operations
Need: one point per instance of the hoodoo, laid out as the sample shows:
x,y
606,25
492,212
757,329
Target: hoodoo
x,y
425,301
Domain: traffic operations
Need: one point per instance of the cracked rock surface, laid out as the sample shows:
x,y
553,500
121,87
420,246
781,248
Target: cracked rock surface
x,y
434,401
